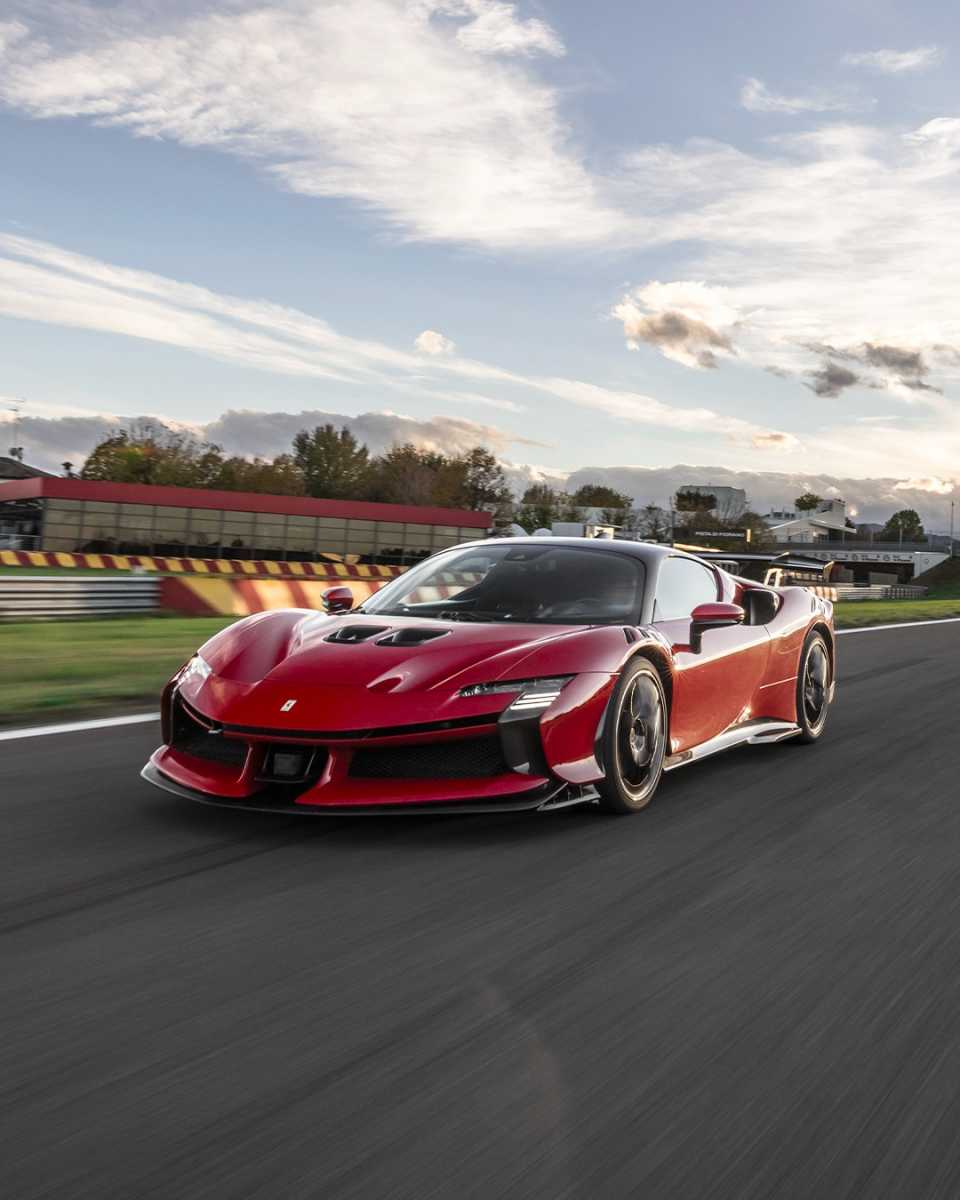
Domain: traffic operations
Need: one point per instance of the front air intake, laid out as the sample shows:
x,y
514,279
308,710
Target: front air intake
x,y
412,637
471,758
189,736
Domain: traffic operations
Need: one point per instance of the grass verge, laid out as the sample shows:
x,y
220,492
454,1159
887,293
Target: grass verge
x,y
854,614
51,670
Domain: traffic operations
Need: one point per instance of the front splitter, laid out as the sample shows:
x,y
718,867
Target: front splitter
x,y
552,796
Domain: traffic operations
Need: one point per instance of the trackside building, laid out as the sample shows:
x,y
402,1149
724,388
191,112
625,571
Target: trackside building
x,y
81,516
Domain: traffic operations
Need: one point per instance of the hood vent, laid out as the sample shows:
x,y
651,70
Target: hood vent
x,y
412,636
356,633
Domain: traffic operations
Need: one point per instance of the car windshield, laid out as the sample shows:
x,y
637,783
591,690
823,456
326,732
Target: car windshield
x,y
529,583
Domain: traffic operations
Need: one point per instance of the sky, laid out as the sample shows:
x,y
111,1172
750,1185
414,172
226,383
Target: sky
x,y
611,235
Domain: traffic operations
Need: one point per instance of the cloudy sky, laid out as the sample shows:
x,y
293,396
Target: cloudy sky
x,y
617,234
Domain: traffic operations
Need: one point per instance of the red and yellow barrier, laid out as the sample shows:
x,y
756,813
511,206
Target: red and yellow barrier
x,y
331,570
203,596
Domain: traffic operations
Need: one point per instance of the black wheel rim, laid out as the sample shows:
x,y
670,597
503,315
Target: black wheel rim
x,y
815,685
640,735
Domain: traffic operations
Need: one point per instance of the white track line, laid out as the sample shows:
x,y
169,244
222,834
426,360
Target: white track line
x,y
901,625
142,718
78,726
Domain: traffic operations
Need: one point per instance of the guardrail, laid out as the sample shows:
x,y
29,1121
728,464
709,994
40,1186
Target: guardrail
x,y
57,596
843,592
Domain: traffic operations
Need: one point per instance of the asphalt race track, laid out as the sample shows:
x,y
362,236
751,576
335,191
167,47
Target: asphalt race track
x,y
751,990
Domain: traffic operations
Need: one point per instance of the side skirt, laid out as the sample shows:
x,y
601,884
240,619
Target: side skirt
x,y
750,733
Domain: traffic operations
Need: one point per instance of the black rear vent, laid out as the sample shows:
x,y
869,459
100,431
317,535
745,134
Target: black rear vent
x,y
356,633
190,737
412,636
474,758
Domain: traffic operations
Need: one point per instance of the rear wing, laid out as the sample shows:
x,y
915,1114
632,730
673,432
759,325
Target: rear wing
x,y
772,570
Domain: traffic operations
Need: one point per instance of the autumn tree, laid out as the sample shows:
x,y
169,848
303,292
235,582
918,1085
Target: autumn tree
x,y
282,477
407,474
153,454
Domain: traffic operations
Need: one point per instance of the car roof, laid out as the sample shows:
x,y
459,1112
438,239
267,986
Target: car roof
x,y
648,551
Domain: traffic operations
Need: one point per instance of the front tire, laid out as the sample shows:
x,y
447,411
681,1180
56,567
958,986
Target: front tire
x,y
813,688
634,740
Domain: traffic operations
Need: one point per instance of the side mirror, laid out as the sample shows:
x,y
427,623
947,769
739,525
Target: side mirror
x,y
337,600
712,616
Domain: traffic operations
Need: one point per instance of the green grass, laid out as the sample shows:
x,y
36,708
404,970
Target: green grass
x,y
853,614
53,669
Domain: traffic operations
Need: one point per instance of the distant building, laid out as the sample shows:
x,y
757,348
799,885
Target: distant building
x,y
729,503
11,468
822,525
78,515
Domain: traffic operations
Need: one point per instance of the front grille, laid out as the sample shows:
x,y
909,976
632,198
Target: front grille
x,y
473,758
190,737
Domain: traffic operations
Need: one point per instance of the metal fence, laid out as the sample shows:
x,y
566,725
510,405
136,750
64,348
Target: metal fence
x,y
59,596
849,591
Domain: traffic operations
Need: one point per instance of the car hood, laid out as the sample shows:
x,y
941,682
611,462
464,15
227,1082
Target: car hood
x,y
393,670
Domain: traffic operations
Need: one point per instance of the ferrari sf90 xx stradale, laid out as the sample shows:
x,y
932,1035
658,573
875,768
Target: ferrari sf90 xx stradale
x,y
516,673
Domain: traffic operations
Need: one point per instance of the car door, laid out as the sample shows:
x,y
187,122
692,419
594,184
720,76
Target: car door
x,y
714,689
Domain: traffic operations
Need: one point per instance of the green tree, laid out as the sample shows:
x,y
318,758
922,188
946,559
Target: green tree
x,y
808,502
484,487
687,501
905,526
542,505
333,463
595,495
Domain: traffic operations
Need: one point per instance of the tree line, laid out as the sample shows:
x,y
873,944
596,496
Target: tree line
x,y
324,462
332,464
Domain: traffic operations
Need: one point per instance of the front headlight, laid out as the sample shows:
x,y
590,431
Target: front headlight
x,y
196,669
534,694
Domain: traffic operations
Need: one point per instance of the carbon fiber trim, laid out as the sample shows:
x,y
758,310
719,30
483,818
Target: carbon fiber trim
x,y
548,797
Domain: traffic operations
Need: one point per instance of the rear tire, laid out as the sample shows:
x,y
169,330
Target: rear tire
x,y
813,688
634,740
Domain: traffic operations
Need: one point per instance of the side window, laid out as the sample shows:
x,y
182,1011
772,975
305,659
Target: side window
x,y
682,585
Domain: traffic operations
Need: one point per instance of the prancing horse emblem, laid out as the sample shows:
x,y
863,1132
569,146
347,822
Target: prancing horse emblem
x,y
287,705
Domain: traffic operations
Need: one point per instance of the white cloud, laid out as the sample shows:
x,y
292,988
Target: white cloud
x,y
433,343
936,487
646,410
495,29
686,320
836,238
42,282
895,62
418,110
756,97
10,33
475,399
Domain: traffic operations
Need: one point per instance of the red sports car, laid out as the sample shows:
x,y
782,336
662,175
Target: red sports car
x,y
515,673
